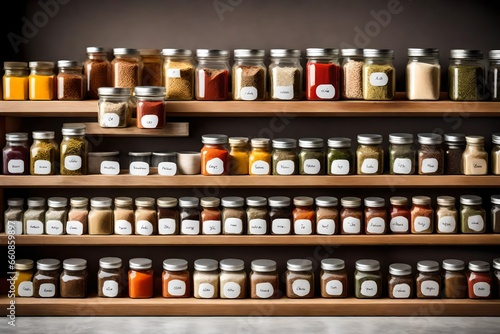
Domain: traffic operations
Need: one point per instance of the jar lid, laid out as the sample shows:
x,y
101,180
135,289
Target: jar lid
x,y
73,129
474,140
320,52
496,263
280,53
232,201
350,202
125,51
43,135
79,201
400,269
189,202
124,201
211,53
367,265
454,137
423,52
260,142
495,199
339,142
16,136
7,65
232,265
481,266
284,143
41,64
48,264
104,154
206,265
23,264
177,52
140,263
326,201
351,52
369,139
446,200
15,201
263,265
471,200
210,202
249,53
166,202
496,138
453,265
427,266
421,200
374,202
311,142
150,52
299,265
494,54
175,264
256,201
139,154
101,202
68,63
97,49
164,154
303,201
279,201
429,138
75,264
466,54
110,262
57,202
332,264
114,91
373,53
143,202
398,200
401,138
214,139
149,91
36,201
238,141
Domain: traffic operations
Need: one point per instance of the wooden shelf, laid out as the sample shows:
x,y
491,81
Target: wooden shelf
x,y
160,306
176,129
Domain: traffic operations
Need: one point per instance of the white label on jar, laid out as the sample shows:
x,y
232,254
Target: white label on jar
x,y
42,167
325,91
211,227
301,287
369,166
166,226
34,227
201,83
264,290
481,289
378,79
303,226
25,289
15,166
139,168
478,166
399,224
248,93
340,167
260,167
311,166
167,168
283,92
376,225
47,290
206,290
447,224
231,290
15,226
176,287
54,227
233,226
257,226
110,120
189,226
281,226
422,223
476,223
73,162
401,291
334,288
110,167
123,227
173,72
215,166
326,226
430,165
369,288
401,166
285,167
149,121
110,288
351,225
429,288
144,227
74,227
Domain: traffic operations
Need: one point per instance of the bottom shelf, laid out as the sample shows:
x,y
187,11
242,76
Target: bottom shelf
x,y
159,306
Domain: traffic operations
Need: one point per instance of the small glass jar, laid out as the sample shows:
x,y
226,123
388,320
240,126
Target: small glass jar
x,y
15,154
249,75
150,102
496,266
284,155
493,74
15,81
110,277
495,154
299,279
46,278
379,75
73,148
23,284
479,280
238,155
70,81
152,64
42,81
311,156
257,215
400,281
206,279
333,278
400,215
214,155
340,159
56,216
475,158
189,215
401,154
264,279
124,216
146,222
168,216
212,75
105,163
422,215
352,74
454,279
165,163
139,163
472,215
428,279
43,153
211,216
423,74
430,154
100,216
304,216
259,159
232,279
140,278
370,155
327,215
77,223
280,215
454,149
74,278
233,215
285,74
13,216
34,216
351,215
115,107
97,71
375,215
446,215
178,74
466,75
322,74
367,279
126,68
495,213
176,281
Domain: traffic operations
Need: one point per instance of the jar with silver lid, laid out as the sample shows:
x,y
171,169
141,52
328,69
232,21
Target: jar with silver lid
x,y
233,279
56,216
150,106
70,81
189,215
178,74
494,74
367,279
168,215
146,221
101,216
214,155
233,215
472,214
152,67
454,149
400,215
327,215
304,217
34,216
474,158
285,74
165,163
23,279
115,107
369,154
124,216
401,154
479,280
13,216
110,276
206,279
280,215
299,278
73,148
423,74
74,278
311,156
495,154
333,278
211,215
466,75
430,154
43,153
46,279
446,215
352,73
495,213
257,215
379,74
375,215
428,279
139,163
422,215
176,280
126,68
400,281
15,154
264,279
454,279
97,71
249,75
284,156
322,74
140,278
212,75
340,159
351,215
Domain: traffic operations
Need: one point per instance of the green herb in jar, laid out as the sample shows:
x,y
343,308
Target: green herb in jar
x,y
383,92
401,154
467,83
340,157
311,156
370,155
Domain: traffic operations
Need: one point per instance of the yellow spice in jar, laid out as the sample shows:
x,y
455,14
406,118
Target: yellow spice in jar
x,y
41,87
15,88
238,156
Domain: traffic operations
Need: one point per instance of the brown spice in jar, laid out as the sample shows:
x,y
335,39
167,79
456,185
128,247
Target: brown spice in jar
x,y
327,220
151,73
351,215
428,155
126,74
249,76
98,74
70,86
422,215
258,290
145,221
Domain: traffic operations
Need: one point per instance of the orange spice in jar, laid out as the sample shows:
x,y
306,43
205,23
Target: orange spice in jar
x,y
214,155
303,215
211,216
375,215
140,278
422,215
176,282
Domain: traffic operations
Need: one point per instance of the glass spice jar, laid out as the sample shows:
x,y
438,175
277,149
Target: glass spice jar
x,y
264,279
15,154
369,154
327,215
126,68
42,83
146,222
495,154
249,75
238,155
495,213
70,81
479,280
284,156
257,215
303,215
259,159
430,154
164,162
422,215
400,215
212,75
178,74
214,155
375,215
206,279
367,279
340,160
493,74
105,163
311,156
401,154
150,101
73,149
423,74
100,216
333,278
446,215
233,215
454,149
400,281
322,74
351,215
74,278
232,279
466,75
352,73
140,278
97,71
139,163
56,216
168,215
280,215
23,284
13,216
15,81
379,74
46,278
299,278
110,277
454,279
211,216
77,223
115,107
152,64
34,216
475,158
285,74
472,215
189,215
124,216
176,280
428,279
496,266
43,153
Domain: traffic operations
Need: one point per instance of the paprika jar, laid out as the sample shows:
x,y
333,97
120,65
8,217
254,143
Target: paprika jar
x,y
238,156
495,213
124,216
70,81
146,221
327,215
233,215
140,278
214,155
400,281
494,74
351,215
284,156
367,279
115,107
285,74
74,278
77,223
423,74
264,279
311,156
303,215
73,149
428,279
370,155
232,279
430,154
15,81
110,277
280,215
379,75
352,73
15,154
150,107
496,266
152,67
472,215
126,68
178,74
249,74
340,159
168,216
42,82
454,279
475,158
479,279
401,154
257,215
495,154
212,75
446,215
259,160
206,279
176,280
466,75
23,284
375,215
400,215
299,278
333,278
46,278
189,214
322,74
43,153
454,149
211,216
422,215
97,71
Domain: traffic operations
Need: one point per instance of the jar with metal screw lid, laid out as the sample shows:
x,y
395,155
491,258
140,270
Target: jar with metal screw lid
x,y
495,213
34,216
264,279
401,154
423,74
178,74
70,81
284,155
494,74
206,279
340,159
42,82
257,215
285,74
233,215
304,217
454,149
495,154
101,216
400,281
446,215
56,216
249,75
259,160
367,279
375,215
140,278
46,278
475,158
43,153
400,215
110,277
214,155
74,278
479,279
212,75
126,68
327,215
73,148
333,278
428,279
151,67
322,74
13,216
454,279
168,216
115,107
238,155
15,154
280,215
146,220
352,73
379,74
466,75
189,214
369,154
124,216
150,102
211,216
176,280
430,154
472,215
311,156
97,71
233,279
422,215
351,215
299,279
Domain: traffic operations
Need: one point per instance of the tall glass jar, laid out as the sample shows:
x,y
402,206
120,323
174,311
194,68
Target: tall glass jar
x,y
42,83
238,155
340,159
311,156
34,216
151,67
168,215
140,278
43,153
352,73
15,81
430,154
73,148
466,75
46,278
264,279
15,154
495,213
146,221
446,215
110,276
400,281
280,215
13,216
126,68
189,215
23,284
495,154
351,215
423,74
259,159
375,215
299,278
422,215
401,154
367,279
285,74
97,71
327,215
212,75
304,216
178,74
115,107
379,74
124,216
150,102
494,74
369,154
214,155
206,279
211,216
101,216
428,279
472,214
77,223
454,279
70,81
257,215
56,216
284,156
232,279
249,75
233,215
74,278
479,280
475,158
322,74
333,278
454,149
400,215
176,280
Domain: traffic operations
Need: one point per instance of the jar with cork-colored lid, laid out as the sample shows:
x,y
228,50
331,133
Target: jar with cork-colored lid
x,y
475,158
42,81
23,284
238,155
15,81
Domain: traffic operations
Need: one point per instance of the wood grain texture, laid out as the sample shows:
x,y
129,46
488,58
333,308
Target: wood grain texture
x,y
175,129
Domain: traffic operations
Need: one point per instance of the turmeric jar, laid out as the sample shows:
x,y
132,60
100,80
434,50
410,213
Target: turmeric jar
x,y
42,82
15,81
238,156
259,161
214,155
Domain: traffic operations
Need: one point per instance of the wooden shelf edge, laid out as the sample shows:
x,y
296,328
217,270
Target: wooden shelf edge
x,y
171,129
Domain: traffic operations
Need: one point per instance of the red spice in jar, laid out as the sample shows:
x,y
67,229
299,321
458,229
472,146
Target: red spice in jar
x,y
400,215
212,84
150,107
322,80
479,279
